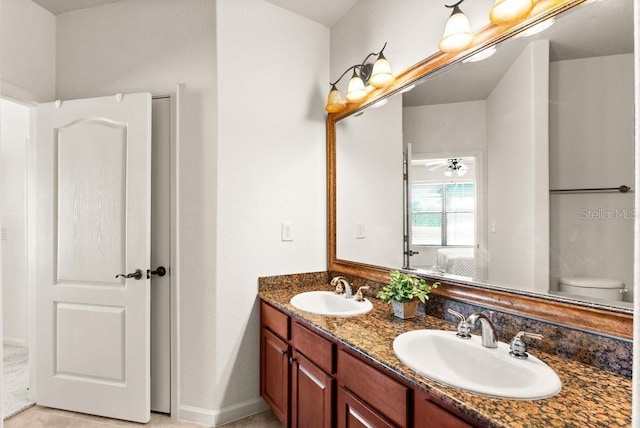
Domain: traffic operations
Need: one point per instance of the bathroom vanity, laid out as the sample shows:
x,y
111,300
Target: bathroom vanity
x,y
327,371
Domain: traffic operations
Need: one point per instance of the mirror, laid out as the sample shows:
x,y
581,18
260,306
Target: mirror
x,y
497,155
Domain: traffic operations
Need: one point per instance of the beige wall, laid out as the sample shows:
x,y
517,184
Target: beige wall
x,y
27,51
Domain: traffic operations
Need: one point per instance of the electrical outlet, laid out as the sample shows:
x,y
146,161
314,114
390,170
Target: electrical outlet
x,y
287,231
360,230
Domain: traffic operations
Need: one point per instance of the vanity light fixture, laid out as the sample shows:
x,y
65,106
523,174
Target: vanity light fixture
x,y
538,28
377,75
457,34
482,55
505,12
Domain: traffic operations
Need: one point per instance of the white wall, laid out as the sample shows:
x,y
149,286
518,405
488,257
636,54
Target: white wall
x,y
412,28
369,186
135,44
517,173
14,129
27,51
272,82
591,145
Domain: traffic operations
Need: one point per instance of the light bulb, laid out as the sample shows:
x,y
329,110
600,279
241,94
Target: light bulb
x,y
381,74
505,12
335,103
457,34
356,90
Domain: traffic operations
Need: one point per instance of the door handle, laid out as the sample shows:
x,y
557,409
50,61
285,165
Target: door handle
x,y
135,275
160,271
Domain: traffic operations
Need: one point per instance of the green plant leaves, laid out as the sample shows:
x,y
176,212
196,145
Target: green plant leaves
x,y
404,288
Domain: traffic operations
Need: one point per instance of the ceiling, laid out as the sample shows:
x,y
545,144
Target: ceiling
x,y
59,6
591,30
325,12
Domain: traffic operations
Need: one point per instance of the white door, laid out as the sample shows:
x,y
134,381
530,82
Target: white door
x,y
93,162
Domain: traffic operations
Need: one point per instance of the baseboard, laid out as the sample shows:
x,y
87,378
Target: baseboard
x,y
222,416
15,342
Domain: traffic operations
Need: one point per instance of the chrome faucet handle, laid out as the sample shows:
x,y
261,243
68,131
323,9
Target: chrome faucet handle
x,y
338,284
464,329
517,345
359,295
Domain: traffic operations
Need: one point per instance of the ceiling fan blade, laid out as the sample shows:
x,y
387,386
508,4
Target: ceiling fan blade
x,y
442,165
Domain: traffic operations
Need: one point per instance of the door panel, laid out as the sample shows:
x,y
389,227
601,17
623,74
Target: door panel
x,y
93,222
312,395
91,201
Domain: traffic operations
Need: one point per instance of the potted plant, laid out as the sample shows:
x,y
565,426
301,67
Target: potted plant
x,y
404,292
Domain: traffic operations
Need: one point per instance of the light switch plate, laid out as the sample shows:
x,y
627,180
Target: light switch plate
x,y
287,231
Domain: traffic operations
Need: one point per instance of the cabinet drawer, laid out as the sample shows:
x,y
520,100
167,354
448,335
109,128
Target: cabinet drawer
x,y
428,413
375,388
315,348
353,413
274,320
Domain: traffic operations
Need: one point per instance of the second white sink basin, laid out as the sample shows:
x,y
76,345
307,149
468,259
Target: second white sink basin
x,y
465,363
330,304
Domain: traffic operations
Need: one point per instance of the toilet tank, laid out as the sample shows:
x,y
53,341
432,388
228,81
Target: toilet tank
x,y
601,288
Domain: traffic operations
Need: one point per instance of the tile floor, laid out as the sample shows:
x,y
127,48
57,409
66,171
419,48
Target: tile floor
x,y
36,417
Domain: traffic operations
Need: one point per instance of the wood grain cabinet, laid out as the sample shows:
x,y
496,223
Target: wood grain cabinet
x,y
311,395
274,361
311,381
274,374
429,414
353,413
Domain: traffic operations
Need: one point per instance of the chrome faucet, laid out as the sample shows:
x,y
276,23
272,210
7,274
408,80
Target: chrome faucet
x,y
489,335
341,285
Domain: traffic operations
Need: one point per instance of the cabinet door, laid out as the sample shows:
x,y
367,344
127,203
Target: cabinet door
x,y
312,395
428,414
353,413
274,374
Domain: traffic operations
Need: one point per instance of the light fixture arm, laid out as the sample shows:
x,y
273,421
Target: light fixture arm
x,y
453,6
353,67
363,65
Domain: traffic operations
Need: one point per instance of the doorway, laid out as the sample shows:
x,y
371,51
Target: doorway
x,y
162,202
14,136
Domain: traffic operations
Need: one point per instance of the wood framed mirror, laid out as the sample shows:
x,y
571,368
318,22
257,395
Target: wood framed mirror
x,y
579,315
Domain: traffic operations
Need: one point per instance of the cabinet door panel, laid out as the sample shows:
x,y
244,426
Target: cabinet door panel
x,y
274,374
428,414
353,413
312,395
374,387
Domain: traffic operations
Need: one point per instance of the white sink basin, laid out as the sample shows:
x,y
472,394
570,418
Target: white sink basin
x,y
466,364
330,304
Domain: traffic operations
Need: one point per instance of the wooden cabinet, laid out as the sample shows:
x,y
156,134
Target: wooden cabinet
x,y
274,374
378,390
353,413
429,414
312,381
274,361
311,395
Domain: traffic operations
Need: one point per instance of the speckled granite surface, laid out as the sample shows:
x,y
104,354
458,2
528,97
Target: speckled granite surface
x,y
607,353
590,397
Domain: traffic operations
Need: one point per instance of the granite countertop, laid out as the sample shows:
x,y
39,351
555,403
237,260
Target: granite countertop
x,y
590,397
